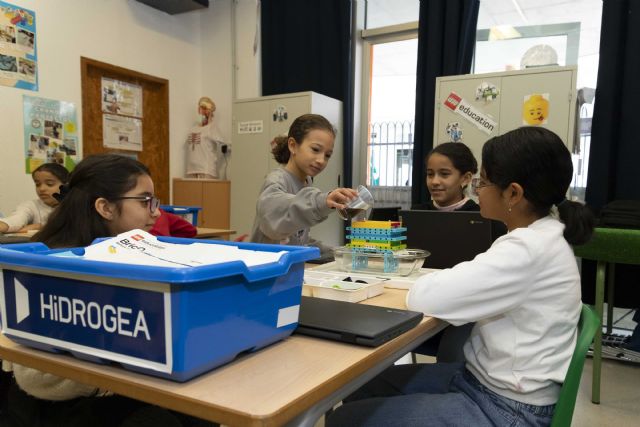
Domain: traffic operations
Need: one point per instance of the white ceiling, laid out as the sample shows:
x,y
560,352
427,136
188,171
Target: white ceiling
x,y
493,13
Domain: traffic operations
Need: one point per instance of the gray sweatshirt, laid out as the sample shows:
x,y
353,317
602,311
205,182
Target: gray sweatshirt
x,y
286,209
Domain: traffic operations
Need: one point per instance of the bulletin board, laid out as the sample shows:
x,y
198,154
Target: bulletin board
x,y
476,107
134,116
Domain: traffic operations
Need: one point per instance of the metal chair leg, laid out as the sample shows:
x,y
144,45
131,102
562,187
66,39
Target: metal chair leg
x,y
597,343
611,280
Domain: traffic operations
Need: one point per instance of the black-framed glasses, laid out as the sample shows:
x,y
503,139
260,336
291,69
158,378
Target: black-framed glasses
x,y
477,183
152,201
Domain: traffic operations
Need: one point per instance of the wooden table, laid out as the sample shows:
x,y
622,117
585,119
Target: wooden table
x,y
206,233
291,382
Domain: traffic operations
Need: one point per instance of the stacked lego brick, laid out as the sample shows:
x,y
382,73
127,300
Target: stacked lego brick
x,y
376,237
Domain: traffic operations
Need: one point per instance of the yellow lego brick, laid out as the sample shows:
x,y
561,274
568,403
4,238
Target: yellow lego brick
x,y
375,224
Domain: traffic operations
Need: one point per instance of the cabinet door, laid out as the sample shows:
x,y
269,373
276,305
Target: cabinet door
x,y
215,206
281,114
555,86
249,160
472,135
188,193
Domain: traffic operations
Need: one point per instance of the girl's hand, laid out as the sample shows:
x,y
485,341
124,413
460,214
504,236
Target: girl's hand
x,y
30,227
339,197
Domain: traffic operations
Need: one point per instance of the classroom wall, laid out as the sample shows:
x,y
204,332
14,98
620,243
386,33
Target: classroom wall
x,y
192,50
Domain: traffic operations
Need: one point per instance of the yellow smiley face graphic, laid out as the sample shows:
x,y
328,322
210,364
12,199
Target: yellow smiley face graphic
x,y
535,110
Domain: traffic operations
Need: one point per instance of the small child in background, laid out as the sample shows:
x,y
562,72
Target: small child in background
x,y
32,215
169,224
450,169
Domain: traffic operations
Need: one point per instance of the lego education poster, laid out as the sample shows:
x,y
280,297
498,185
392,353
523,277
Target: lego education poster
x,y
483,121
18,59
50,133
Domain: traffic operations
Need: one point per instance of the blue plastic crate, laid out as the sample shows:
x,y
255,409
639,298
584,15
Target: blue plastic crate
x,y
188,213
168,322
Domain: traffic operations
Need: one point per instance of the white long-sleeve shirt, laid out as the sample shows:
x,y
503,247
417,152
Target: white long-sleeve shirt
x,y
31,212
524,295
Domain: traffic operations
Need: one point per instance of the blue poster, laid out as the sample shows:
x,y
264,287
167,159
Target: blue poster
x,y
18,57
50,133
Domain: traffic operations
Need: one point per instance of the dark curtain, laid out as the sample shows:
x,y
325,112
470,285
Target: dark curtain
x,y
615,142
446,39
306,46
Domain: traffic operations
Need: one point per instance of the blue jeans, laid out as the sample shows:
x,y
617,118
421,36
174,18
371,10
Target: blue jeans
x,y
439,394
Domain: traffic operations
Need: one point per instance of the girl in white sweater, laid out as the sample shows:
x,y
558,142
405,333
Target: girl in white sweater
x,y
32,215
523,294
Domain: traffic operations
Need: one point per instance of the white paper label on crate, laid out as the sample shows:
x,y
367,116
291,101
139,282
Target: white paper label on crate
x,y
288,315
251,126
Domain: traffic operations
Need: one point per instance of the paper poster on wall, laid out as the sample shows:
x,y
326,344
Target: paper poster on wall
x,y
121,98
50,133
18,59
480,119
454,130
535,109
123,133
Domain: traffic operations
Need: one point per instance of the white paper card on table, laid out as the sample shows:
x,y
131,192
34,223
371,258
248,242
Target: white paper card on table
x,y
140,247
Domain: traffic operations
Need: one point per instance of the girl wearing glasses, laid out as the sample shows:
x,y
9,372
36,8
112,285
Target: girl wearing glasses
x,y
523,293
107,194
450,168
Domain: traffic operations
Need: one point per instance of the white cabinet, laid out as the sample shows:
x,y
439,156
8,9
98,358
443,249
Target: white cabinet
x,y
256,122
556,85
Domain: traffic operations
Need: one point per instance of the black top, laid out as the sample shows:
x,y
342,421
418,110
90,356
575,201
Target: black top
x,y
470,206
498,228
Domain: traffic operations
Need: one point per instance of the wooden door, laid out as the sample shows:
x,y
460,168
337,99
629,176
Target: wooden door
x,y
155,120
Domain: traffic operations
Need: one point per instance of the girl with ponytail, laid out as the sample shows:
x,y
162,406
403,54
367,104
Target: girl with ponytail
x,y
288,205
523,295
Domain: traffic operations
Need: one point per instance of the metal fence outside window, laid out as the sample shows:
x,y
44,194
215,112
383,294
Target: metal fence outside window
x,y
390,162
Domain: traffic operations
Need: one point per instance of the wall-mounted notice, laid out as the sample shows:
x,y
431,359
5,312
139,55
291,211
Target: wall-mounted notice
x,y
251,126
18,59
121,98
50,133
123,133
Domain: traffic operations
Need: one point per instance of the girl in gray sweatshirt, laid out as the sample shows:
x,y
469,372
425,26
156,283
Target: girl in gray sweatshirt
x,y
288,206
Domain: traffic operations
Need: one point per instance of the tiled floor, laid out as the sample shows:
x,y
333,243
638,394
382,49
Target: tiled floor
x,y
619,401
620,389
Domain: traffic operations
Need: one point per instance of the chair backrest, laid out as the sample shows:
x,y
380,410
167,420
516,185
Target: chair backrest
x,y
587,327
617,245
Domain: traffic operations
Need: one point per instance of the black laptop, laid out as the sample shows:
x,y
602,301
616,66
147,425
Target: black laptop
x,y
353,323
450,237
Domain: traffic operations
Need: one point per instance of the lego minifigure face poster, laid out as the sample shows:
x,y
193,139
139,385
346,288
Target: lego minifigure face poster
x,y
535,109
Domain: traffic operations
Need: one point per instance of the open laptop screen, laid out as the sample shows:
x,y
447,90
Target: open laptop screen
x,y
451,237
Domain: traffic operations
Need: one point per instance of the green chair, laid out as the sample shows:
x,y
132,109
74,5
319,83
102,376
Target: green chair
x,y
608,246
588,325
